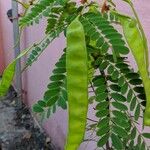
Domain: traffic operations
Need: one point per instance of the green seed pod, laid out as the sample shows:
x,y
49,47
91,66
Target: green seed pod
x,y
77,84
9,73
135,42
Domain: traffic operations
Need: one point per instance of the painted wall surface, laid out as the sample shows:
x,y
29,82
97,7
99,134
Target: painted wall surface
x,y
6,30
36,78
1,54
1,46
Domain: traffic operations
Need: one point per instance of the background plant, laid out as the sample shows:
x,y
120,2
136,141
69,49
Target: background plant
x,y
116,91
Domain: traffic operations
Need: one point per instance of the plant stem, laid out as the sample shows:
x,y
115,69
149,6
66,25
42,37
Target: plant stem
x,y
103,74
107,146
92,120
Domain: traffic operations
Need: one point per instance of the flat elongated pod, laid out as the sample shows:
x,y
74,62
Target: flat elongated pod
x,y
9,73
7,78
135,42
77,84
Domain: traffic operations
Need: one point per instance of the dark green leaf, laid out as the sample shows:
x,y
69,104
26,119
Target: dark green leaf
x,y
129,95
95,36
121,65
34,52
37,108
103,140
142,147
110,58
104,48
125,71
115,75
51,93
54,108
101,97
118,97
117,41
48,112
101,89
112,80
137,147
102,113
103,130
135,81
146,135
115,87
121,49
119,114
139,89
133,104
131,144
102,105
62,102
100,42
61,64
103,122
98,81
124,88
139,139
113,36
120,106
103,65
121,81
52,100
59,70
120,131
42,103
54,85
110,69
91,99
57,77
132,75
116,142
120,122
142,96
143,103
137,112
133,133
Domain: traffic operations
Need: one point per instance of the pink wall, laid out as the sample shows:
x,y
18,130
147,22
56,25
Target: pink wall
x,y
1,54
36,78
6,30
1,45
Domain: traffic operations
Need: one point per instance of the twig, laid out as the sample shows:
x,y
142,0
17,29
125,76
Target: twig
x,y
92,120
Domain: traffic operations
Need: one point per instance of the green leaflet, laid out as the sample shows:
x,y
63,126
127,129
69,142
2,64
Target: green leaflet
x,y
127,1
8,74
91,70
135,42
77,84
56,95
41,8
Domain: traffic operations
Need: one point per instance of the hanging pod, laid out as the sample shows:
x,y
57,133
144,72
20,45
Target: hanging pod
x,y
77,84
9,73
135,42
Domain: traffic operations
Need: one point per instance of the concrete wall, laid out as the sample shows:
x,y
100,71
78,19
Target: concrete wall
x,y
36,78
